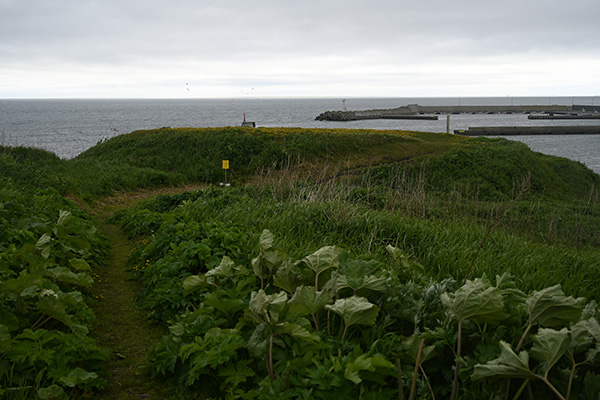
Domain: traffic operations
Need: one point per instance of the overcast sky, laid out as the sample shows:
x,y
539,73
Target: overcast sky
x,y
263,48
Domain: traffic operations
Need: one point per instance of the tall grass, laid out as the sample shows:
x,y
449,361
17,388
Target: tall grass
x,y
448,237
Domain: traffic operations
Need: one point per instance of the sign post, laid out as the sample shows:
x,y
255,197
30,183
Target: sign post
x,y
225,168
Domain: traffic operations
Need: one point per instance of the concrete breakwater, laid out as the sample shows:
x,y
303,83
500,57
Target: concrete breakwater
x,y
529,130
418,110
565,116
369,114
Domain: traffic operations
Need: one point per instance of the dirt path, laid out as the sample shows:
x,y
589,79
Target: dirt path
x,y
120,326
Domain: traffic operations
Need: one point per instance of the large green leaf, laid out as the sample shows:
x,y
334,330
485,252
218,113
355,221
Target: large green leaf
x,y
227,306
22,282
411,345
258,343
508,365
52,392
583,335
550,307
370,282
549,346
193,283
80,264
52,305
269,258
273,259
355,310
64,217
365,363
358,274
321,260
267,307
297,331
593,327
266,240
287,277
66,275
78,376
477,300
310,300
44,245
259,269
224,270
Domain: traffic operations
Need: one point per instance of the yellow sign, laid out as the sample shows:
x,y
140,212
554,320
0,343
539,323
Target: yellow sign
x,y
225,164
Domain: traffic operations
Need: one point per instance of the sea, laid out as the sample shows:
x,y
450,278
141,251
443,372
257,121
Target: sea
x,y
68,127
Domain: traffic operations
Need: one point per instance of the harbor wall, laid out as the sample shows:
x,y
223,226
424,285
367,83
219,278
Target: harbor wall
x,y
529,130
415,109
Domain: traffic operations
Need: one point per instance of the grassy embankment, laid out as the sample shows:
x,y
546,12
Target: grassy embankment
x,y
456,206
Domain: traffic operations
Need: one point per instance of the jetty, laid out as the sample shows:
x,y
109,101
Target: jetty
x,y
565,116
416,111
371,114
529,130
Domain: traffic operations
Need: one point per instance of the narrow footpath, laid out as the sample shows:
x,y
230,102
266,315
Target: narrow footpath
x,y
120,326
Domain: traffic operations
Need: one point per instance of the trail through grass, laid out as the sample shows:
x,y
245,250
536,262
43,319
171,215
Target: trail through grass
x,y
120,326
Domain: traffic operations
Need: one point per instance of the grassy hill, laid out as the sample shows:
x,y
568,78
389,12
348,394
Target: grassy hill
x,y
394,231
174,156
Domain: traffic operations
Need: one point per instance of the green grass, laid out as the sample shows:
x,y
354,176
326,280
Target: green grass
x,y
458,206
189,233
121,327
445,245
146,159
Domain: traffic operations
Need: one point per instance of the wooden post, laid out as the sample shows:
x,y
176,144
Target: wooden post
x,y
447,123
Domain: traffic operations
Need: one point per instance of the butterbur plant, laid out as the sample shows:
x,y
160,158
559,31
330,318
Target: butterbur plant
x,y
269,258
550,307
270,312
477,300
354,311
257,330
575,344
45,272
322,260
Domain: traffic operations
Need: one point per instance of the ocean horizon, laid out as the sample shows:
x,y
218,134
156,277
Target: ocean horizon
x,y
67,127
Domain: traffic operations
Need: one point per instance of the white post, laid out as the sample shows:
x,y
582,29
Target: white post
x,y
447,123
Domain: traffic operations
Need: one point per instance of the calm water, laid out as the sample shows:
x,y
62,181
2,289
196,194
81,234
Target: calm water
x,y
69,127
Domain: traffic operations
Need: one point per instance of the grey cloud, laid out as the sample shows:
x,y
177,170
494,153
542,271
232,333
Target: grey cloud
x,y
384,33
113,31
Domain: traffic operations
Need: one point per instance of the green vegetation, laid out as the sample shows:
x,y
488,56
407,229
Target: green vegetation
x,y
145,159
346,264
48,252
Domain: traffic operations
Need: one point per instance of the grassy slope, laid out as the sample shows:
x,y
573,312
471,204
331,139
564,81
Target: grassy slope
x,y
196,154
482,168
407,168
120,326
145,159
